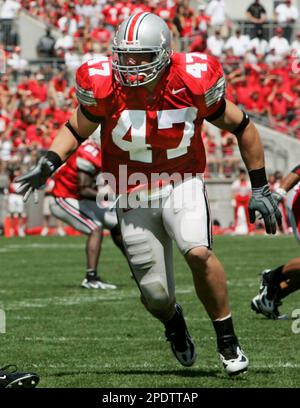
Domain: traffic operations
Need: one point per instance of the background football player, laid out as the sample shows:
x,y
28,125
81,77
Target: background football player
x,y
241,195
151,104
283,280
74,203
16,206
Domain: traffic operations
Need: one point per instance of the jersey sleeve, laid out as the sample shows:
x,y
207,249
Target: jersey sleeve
x,y
214,89
209,89
84,87
93,85
85,165
88,158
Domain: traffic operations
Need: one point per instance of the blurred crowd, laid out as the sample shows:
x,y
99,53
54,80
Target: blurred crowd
x,y
262,73
241,195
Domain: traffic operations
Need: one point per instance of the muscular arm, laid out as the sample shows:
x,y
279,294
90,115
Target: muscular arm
x,y
85,185
65,143
249,140
290,181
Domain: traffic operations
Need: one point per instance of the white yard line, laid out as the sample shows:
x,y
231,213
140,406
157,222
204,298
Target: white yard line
x,y
116,295
87,318
61,246
63,339
109,366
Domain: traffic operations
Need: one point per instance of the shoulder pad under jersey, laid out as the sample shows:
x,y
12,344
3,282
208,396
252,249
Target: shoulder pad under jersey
x,y
85,165
202,74
94,81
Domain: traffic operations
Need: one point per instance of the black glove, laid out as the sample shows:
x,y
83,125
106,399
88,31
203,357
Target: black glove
x,y
263,202
37,177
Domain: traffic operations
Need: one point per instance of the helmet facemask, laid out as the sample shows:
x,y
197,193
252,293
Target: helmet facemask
x,y
137,75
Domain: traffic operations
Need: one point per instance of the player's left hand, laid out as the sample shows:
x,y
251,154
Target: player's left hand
x,y
34,179
263,202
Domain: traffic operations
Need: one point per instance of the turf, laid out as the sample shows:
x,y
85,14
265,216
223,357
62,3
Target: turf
x,y
75,337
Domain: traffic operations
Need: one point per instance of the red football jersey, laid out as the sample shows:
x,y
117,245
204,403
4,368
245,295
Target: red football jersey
x,y
87,159
152,132
13,187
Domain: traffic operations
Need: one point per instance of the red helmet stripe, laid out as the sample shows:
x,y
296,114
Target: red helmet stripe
x,y
133,25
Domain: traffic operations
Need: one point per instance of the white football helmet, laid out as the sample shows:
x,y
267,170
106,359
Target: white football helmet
x,y
141,33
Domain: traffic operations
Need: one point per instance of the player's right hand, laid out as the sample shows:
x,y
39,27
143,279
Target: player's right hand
x,y
35,178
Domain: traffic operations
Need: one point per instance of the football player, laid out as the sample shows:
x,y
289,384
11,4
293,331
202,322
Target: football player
x,y
11,378
241,195
283,280
74,203
151,103
16,207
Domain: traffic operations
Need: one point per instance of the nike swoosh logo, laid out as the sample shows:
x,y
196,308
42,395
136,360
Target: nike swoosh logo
x,y
176,91
2,377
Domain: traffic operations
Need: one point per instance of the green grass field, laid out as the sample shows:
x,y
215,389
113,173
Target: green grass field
x,y
75,337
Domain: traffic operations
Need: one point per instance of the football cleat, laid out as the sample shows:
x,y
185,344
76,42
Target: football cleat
x,y
261,304
96,283
181,342
256,305
232,356
16,379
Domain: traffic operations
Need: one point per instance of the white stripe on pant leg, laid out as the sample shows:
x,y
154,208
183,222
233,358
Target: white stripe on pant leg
x,y
82,214
62,214
208,215
76,214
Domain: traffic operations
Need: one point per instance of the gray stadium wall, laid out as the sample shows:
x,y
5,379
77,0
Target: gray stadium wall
x,y
31,30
